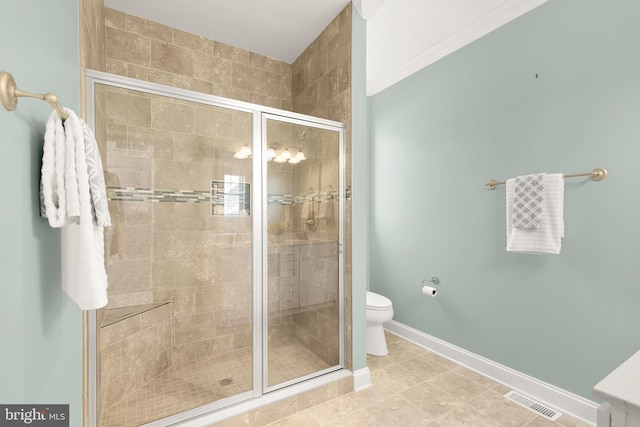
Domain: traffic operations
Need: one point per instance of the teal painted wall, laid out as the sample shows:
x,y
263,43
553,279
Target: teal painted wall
x,y
40,328
361,207
481,113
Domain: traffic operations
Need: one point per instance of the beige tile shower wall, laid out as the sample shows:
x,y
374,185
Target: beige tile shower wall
x,y
282,267
320,173
303,277
280,178
175,251
317,173
317,321
134,351
92,34
322,73
146,50
282,290
322,87
92,42
303,286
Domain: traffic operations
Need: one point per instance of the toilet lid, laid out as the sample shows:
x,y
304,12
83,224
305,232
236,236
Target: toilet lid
x,y
377,302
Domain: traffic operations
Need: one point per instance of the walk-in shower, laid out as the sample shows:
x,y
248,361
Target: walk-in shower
x,y
226,272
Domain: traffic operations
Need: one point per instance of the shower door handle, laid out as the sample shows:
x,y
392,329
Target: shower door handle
x,y
338,248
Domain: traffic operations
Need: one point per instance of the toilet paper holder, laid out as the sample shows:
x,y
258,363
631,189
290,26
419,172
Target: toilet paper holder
x,y
434,280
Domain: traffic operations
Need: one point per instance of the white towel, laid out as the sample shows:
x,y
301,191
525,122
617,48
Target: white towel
x,y
547,238
285,214
68,203
53,200
326,206
306,206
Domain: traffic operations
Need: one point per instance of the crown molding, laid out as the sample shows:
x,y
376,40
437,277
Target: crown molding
x,y
368,8
497,17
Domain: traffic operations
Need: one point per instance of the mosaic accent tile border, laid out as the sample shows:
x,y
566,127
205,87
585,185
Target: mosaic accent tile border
x,y
135,194
284,199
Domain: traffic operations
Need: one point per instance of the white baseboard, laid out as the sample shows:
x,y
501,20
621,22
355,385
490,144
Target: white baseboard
x,y
361,379
557,398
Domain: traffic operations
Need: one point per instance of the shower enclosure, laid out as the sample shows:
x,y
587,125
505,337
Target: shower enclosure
x,y
225,256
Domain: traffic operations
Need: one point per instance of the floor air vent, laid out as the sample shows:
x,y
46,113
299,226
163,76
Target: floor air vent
x,y
534,406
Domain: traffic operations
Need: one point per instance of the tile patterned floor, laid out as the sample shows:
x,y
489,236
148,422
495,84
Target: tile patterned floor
x,y
194,384
413,387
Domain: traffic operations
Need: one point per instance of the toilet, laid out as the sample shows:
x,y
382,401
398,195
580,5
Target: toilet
x,y
379,310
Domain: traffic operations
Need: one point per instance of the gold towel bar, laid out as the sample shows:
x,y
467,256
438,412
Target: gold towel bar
x,y
598,174
9,95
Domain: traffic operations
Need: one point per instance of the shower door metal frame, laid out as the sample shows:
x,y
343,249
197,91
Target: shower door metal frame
x,y
258,200
325,125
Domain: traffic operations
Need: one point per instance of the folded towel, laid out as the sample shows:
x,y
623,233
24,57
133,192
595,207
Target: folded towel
x,y
326,206
71,186
307,208
72,198
285,214
527,201
53,199
547,238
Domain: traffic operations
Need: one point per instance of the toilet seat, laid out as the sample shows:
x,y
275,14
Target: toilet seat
x,y
377,302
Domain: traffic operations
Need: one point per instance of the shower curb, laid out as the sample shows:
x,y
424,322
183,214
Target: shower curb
x,y
204,419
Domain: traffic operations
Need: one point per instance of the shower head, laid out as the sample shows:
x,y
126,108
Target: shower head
x,y
302,134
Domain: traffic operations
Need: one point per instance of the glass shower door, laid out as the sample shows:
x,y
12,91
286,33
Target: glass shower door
x,y
303,218
178,332
224,257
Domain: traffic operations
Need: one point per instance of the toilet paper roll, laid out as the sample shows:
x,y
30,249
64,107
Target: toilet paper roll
x,y
428,290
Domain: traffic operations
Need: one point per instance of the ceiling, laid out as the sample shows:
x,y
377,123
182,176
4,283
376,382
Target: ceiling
x,y
403,36
279,29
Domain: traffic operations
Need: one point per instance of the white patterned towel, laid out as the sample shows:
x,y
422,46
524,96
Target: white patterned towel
x,y
527,201
546,239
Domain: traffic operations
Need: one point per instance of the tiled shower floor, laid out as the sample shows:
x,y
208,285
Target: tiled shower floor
x,y
194,384
288,359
